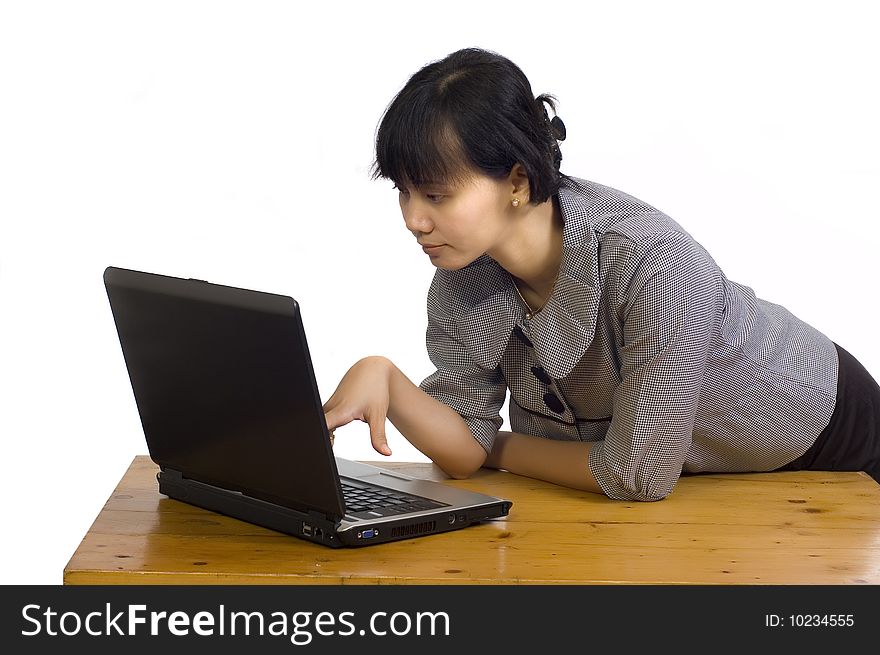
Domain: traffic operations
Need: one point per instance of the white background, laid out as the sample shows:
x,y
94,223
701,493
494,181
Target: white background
x,y
231,141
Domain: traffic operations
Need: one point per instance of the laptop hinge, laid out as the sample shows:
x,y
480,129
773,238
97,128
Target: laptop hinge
x,y
321,516
167,476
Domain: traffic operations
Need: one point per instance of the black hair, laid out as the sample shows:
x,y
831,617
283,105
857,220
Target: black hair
x,y
473,109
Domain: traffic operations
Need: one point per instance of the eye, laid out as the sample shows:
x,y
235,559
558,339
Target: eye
x,y
434,197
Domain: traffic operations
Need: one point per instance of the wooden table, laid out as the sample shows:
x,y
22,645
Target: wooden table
x,y
767,528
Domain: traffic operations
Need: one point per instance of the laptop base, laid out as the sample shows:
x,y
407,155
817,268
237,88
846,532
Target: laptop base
x,y
311,526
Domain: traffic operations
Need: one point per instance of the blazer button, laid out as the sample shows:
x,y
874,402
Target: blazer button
x,y
553,402
541,374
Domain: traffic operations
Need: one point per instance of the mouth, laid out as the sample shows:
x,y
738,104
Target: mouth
x,y
432,249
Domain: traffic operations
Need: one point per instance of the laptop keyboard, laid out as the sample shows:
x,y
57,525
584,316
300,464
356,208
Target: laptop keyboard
x,y
369,501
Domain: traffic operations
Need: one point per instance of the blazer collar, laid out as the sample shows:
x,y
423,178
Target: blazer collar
x,y
564,328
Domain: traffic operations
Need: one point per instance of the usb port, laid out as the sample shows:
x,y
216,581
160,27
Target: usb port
x,y
307,529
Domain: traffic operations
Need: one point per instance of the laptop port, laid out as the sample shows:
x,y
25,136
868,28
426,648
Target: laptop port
x,y
368,534
319,533
307,529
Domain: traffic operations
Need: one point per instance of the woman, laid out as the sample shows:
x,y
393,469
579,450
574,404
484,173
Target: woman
x,y
629,357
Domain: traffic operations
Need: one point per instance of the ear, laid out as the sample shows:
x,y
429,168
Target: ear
x,y
519,182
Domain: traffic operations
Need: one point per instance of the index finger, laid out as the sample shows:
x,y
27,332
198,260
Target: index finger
x,y
335,420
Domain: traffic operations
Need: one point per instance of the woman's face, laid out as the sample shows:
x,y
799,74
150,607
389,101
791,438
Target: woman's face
x,y
459,222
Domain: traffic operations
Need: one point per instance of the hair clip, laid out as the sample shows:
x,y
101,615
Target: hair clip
x,y
558,128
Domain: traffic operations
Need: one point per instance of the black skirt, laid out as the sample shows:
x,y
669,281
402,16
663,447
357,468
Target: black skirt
x,y
851,442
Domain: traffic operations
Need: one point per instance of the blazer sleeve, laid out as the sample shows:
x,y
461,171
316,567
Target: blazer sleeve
x,y
668,294
476,393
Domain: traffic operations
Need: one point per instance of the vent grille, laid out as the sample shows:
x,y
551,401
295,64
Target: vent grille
x,y
415,528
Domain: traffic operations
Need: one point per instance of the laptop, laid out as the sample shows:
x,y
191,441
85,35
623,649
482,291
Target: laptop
x,y
227,397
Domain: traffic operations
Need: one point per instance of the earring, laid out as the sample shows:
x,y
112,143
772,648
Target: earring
x,y
515,202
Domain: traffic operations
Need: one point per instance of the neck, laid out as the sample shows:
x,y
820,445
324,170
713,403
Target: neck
x,y
532,251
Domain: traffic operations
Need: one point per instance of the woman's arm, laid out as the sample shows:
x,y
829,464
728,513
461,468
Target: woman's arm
x,y
560,462
434,428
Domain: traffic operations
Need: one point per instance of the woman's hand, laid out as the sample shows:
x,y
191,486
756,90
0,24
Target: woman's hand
x,y
374,390
363,394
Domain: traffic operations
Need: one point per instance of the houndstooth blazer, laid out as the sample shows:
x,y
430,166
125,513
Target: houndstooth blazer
x,y
644,347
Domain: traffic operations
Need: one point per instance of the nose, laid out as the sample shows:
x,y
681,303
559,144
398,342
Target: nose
x,y
416,214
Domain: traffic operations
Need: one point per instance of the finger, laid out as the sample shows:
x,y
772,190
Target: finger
x,y
334,419
377,435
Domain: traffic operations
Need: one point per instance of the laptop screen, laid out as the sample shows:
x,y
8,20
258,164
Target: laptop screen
x,y
224,386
